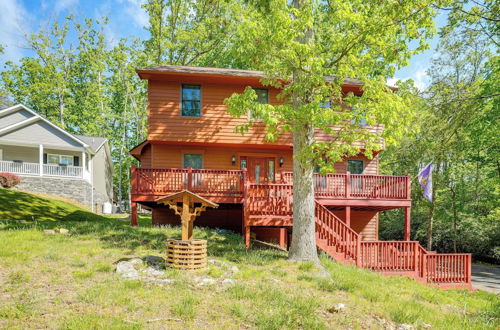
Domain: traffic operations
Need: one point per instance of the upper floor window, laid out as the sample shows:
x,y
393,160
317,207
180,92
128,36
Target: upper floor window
x,y
193,160
191,100
263,98
360,119
262,95
355,166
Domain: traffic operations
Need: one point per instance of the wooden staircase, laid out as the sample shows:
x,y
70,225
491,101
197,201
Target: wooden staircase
x,y
271,205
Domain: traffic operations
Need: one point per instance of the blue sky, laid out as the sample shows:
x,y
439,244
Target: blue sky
x,y
126,18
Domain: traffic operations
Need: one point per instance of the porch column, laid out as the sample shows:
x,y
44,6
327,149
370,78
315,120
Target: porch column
x,y
407,224
348,216
133,214
83,161
40,159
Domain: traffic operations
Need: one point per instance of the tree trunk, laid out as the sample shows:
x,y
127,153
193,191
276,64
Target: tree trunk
x,y
303,246
455,218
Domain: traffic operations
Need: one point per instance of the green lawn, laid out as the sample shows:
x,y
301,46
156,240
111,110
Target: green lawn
x,y
68,281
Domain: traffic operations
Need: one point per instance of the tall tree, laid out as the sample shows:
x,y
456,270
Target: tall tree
x,y
189,32
308,48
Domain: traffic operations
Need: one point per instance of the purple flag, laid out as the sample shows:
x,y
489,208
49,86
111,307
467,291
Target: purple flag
x,y
425,179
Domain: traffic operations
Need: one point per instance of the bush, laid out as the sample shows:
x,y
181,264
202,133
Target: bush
x,y
9,180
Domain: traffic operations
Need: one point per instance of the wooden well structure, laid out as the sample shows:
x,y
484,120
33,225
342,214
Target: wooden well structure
x,y
187,253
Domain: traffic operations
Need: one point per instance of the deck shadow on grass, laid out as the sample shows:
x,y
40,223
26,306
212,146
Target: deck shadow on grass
x,y
117,233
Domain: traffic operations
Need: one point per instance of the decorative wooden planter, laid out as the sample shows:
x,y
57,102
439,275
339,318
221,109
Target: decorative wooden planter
x,y
187,255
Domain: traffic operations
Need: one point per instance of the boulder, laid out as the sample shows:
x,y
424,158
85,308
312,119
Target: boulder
x,y
49,232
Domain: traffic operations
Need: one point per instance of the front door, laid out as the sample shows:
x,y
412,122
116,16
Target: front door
x,y
260,169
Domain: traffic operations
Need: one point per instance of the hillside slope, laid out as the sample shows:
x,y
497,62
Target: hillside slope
x,y
69,281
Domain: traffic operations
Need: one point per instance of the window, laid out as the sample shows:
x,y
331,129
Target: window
x,y
191,101
271,170
262,95
262,98
243,163
193,160
1,154
60,159
355,166
360,118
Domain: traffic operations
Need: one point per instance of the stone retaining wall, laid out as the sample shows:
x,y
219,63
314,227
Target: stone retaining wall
x,y
76,190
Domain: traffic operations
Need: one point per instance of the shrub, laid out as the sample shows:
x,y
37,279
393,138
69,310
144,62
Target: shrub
x,y
9,180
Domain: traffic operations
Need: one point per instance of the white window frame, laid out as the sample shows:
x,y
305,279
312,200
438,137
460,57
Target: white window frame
x,y
60,157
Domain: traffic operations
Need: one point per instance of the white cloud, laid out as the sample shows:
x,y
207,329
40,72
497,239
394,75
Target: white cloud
x,y
133,8
14,25
420,79
62,5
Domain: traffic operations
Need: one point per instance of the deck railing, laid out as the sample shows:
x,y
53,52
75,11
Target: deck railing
x,y
390,256
269,199
25,168
358,186
448,268
155,181
336,232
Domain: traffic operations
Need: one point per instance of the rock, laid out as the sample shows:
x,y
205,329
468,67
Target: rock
x,y
155,261
234,269
49,232
205,281
337,308
405,327
63,231
153,272
228,281
426,326
127,269
157,280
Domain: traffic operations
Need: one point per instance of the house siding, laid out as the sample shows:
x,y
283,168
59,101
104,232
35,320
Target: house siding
x,y
14,117
171,156
102,173
215,125
40,132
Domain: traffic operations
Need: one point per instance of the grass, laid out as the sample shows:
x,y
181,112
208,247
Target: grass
x,y
68,281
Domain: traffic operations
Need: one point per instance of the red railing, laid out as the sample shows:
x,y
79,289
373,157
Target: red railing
x,y
269,199
153,181
447,268
389,256
337,234
358,185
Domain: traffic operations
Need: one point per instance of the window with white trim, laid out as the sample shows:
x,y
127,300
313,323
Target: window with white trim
x,y
59,159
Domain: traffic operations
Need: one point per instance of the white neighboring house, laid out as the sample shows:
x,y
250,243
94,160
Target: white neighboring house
x,y
53,161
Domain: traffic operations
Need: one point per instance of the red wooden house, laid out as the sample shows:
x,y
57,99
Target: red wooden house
x,y
192,145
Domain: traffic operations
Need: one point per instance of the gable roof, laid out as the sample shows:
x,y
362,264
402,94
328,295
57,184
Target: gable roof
x,y
207,71
92,144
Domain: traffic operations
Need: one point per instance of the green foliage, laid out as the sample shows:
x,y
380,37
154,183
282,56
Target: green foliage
x,y
456,127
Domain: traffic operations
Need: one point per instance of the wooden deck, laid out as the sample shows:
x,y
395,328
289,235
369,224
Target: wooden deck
x,y
272,205
377,192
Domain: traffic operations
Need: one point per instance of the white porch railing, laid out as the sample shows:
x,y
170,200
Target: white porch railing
x,y
57,170
19,167
34,169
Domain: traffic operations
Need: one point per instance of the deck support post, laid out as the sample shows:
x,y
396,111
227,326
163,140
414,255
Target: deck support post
x,y
407,224
282,238
348,216
40,159
133,214
247,236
